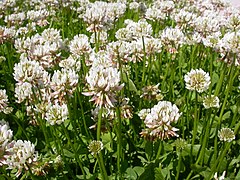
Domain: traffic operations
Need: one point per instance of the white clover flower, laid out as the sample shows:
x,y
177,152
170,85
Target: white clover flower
x,y
56,114
30,71
23,91
80,45
212,39
226,134
222,177
36,15
43,48
158,121
230,42
183,17
211,101
101,15
101,58
197,80
159,10
15,18
121,49
95,147
71,63
172,36
134,6
151,92
50,36
7,110
151,45
3,100
103,84
138,29
124,34
19,155
154,14
143,113
6,134
6,33
63,83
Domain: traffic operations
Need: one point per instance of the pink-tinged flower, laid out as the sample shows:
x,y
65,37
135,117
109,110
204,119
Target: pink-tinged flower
x,y
103,84
63,83
158,121
20,155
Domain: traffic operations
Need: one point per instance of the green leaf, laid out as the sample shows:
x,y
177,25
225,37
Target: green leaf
x,y
68,153
106,139
149,149
226,115
195,149
148,173
158,174
139,170
215,78
130,83
238,175
131,173
167,146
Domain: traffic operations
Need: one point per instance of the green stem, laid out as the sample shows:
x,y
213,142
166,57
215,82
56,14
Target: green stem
x,y
102,167
82,114
219,160
99,123
205,139
60,149
159,150
119,138
179,164
100,158
229,87
195,125
220,82
74,150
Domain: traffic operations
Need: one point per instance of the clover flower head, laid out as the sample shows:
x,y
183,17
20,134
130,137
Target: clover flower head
x,y
63,83
56,114
211,101
180,144
158,121
143,113
171,36
151,92
103,84
23,91
221,177
30,71
20,155
80,45
3,99
95,147
226,134
197,80
6,134
71,63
